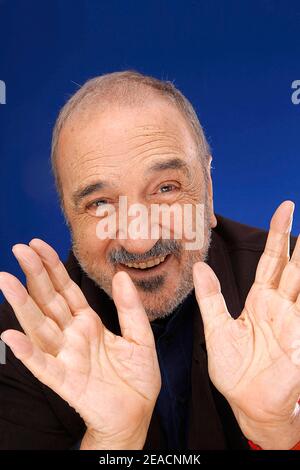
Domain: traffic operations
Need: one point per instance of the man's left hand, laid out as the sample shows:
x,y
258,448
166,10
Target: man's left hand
x,y
254,361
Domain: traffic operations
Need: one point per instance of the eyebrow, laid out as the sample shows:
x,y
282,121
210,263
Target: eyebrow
x,y
161,165
87,190
170,164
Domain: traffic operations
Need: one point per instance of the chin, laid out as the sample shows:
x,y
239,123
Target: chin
x,y
161,305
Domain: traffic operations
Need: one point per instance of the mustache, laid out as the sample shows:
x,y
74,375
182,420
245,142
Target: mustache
x,y
161,248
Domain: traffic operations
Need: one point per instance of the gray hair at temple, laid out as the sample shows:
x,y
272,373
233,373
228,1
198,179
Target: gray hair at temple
x,y
127,88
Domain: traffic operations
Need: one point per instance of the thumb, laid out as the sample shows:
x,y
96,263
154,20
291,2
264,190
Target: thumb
x,y
134,323
210,299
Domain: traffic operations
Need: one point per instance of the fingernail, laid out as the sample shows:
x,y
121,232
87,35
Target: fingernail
x,y
13,293
24,257
291,218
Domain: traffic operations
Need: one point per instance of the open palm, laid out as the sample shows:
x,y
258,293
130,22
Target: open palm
x,y
254,361
112,381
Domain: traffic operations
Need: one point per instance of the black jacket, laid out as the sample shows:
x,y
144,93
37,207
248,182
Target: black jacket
x,y
33,417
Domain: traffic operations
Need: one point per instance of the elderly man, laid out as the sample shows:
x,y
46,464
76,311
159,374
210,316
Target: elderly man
x,y
131,343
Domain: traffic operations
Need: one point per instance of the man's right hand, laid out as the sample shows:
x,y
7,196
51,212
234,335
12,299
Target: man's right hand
x,y
111,381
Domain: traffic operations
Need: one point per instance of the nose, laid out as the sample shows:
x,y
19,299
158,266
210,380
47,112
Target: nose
x,y
134,228
138,246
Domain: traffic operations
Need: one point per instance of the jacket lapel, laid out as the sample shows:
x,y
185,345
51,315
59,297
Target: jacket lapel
x,y
205,427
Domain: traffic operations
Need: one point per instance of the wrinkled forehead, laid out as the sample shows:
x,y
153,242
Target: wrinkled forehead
x,y
122,137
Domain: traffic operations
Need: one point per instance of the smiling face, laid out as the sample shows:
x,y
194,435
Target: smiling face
x,y
147,154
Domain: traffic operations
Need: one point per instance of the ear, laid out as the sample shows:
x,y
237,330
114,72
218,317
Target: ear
x,y
212,217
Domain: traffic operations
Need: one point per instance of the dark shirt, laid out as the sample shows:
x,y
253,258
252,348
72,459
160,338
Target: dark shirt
x,y
34,417
174,346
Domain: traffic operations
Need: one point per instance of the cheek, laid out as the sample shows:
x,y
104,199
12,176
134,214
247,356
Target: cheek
x,y
185,222
86,240
84,231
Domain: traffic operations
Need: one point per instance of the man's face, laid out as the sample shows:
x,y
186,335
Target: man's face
x,y
147,154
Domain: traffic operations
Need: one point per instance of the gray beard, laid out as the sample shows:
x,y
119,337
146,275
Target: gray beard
x,y
153,285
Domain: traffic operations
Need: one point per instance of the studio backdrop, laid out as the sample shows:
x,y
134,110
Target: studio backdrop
x,y
238,62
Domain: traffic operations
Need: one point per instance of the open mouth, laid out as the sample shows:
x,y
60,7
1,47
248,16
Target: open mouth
x,y
151,265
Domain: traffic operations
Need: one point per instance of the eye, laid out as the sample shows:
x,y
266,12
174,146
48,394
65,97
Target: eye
x,y
93,207
97,203
166,188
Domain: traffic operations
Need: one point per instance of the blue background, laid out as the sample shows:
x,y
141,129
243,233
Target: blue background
x,y
235,60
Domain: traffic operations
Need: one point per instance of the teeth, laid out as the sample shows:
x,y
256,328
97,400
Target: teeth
x,y
147,264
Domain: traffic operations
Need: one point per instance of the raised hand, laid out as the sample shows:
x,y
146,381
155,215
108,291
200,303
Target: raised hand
x,y
254,361
111,381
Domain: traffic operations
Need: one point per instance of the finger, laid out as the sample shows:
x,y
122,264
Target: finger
x,y
42,365
297,304
40,286
59,276
210,299
42,330
289,285
277,250
134,323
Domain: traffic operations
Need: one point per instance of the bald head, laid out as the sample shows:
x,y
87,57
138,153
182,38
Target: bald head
x,y
124,89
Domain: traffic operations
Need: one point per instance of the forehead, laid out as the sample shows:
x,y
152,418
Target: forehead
x,y
122,136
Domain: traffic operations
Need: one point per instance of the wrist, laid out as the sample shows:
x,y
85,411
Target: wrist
x,y
126,440
278,434
92,441
255,447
